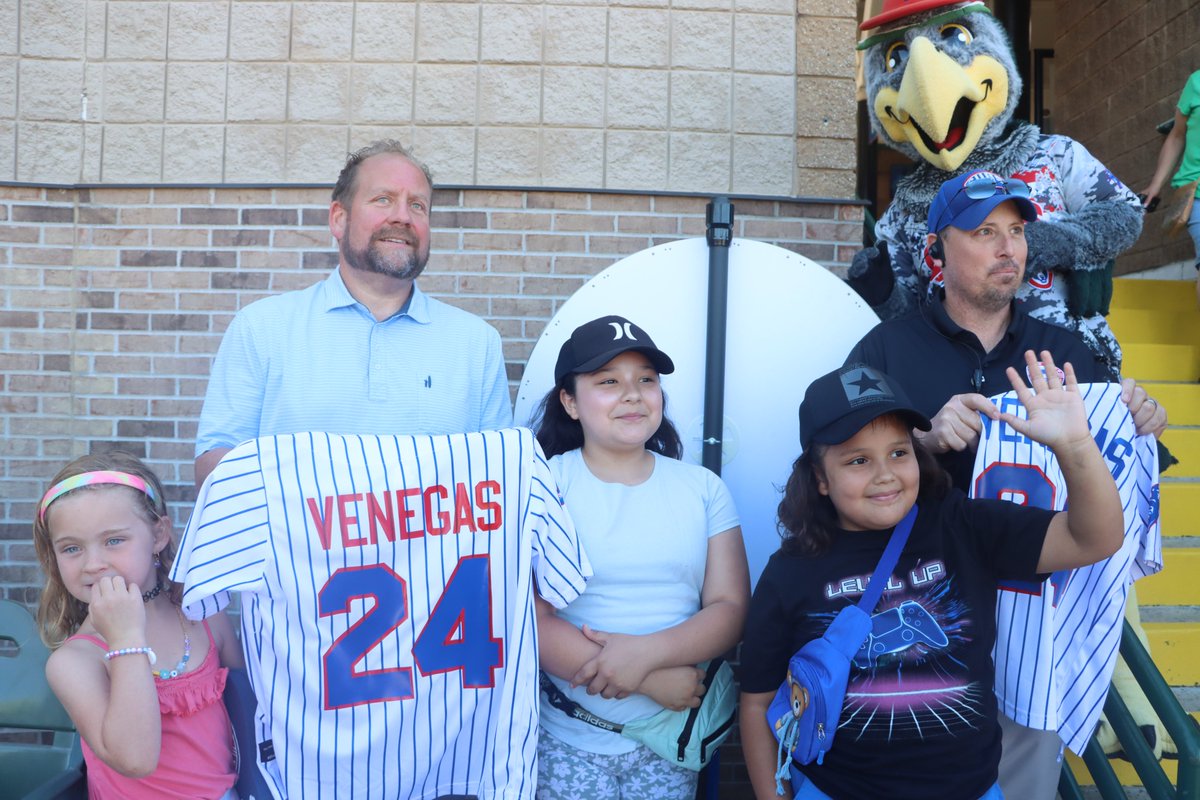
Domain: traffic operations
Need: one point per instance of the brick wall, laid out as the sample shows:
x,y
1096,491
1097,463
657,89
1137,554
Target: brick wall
x,y
113,301
1119,69
755,96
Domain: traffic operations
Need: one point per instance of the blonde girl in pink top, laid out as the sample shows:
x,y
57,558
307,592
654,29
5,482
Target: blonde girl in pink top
x,y
142,683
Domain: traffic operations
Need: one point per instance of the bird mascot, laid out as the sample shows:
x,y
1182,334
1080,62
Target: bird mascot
x,y
942,86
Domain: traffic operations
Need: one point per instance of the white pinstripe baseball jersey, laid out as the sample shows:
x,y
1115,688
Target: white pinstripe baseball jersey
x,y
388,617
1057,642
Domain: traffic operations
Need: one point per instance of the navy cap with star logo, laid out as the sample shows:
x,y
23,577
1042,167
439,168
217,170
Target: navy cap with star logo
x,y
839,404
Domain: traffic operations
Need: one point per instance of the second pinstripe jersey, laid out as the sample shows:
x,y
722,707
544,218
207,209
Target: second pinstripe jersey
x,y
388,616
1057,641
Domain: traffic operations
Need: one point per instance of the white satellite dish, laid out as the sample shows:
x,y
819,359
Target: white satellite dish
x,y
789,321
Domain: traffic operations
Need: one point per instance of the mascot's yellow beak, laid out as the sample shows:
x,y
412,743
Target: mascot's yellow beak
x,y
942,107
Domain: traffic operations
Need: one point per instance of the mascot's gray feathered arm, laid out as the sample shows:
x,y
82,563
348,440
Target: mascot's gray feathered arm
x,y
1084,245
941,87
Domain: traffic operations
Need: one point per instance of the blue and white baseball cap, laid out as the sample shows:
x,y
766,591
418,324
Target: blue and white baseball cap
x,y
966,200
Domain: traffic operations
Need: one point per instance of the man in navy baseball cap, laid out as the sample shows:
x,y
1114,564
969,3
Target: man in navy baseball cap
x,y
977,237
954,352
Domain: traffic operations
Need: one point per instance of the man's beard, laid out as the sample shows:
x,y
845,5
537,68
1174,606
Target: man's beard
x,y
372,259
996,298
993,300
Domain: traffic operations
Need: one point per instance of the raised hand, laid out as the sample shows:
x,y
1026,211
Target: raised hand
x,y
1055,415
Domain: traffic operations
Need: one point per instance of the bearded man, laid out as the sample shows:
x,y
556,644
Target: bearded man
x,y
365,350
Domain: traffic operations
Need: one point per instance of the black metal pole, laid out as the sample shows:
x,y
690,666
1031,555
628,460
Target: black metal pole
x,y
718,217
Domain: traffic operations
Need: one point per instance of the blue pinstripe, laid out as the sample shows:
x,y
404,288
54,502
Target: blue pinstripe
x,y
1054,663
245,536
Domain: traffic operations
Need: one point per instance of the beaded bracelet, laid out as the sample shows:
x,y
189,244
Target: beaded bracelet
x,y
132,651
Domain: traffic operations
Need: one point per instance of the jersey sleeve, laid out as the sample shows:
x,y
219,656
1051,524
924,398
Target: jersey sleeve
x,y
560,566
233,402
1147,556
1085,180
905,238
226,544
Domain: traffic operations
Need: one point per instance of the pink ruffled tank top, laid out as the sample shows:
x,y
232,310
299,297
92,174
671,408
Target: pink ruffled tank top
x,y
196,759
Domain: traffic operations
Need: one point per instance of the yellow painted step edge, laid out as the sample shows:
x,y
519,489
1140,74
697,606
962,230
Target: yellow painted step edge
x,y
1175,648
1161,362
1142,293
1147,326
1180,511
1184,444
1182,400
1177,584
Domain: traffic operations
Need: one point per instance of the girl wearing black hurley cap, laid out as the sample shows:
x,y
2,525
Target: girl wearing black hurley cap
x,y
919,716
670,586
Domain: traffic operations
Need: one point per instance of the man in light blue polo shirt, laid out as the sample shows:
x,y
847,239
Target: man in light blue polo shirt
x,y
365,350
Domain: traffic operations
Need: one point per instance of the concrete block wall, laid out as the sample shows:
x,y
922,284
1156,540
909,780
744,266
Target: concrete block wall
x,y
746,96
113,301
1119,69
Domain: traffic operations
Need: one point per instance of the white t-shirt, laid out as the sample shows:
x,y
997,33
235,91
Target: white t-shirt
x,y
648,545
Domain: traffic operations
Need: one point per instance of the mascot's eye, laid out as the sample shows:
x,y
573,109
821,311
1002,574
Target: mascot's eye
x,y
896,57
954,32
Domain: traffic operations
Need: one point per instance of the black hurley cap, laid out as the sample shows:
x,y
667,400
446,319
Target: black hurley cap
x,y
593,344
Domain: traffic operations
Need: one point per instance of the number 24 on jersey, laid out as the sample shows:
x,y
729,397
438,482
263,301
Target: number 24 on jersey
x,y
457,636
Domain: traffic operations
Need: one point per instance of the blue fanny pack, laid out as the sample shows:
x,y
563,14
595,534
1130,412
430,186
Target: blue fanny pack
x,y
805,711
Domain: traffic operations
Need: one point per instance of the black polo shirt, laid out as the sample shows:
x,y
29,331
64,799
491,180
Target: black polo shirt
x,y
934,358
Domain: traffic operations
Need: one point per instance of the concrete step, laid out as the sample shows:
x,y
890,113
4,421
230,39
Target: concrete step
x,y
1182,400
1180,507
1184,444
1135,325
1161,295
1158,326
1161,362
1179,582
1175,647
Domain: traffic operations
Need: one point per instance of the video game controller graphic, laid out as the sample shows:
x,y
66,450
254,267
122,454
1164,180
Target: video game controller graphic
x,y
897,629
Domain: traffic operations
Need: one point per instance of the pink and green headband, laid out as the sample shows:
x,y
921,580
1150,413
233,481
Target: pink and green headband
x,y
96,478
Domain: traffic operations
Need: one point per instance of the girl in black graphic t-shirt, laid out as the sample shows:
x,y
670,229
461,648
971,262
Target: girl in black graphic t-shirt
x,y
919,718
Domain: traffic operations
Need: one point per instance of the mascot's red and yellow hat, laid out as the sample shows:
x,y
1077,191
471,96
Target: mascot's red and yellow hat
x,y
898,9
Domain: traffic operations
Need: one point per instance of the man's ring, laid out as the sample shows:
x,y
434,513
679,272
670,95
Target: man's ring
x,y
1150,399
